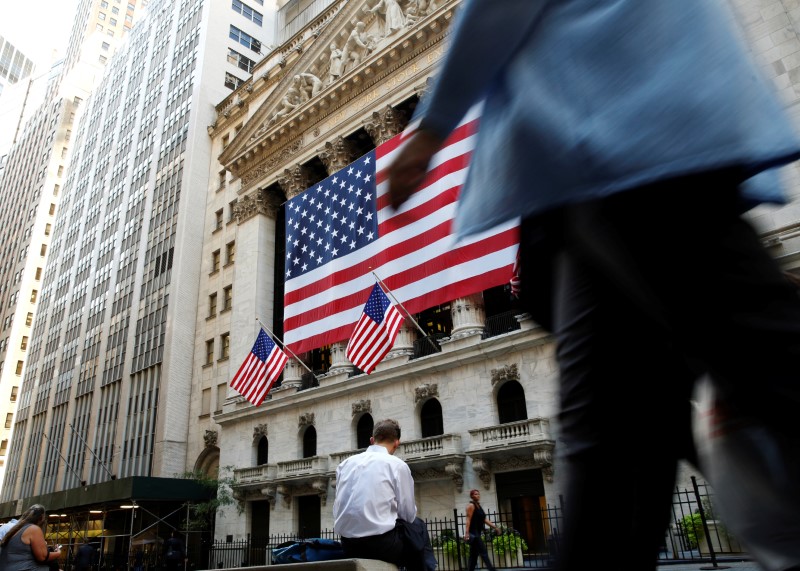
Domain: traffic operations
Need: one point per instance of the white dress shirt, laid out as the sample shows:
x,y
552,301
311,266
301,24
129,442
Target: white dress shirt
x,y
373,489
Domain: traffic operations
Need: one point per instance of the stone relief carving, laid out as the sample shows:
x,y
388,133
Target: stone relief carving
x,y
286,495
291,101
357,45
305,419
294,181
210,438
259,430
270,493
362,406
506,373
337,154
258,202
392,17
419,9
483,468
385,124
307,85
269,165
425,391
335,61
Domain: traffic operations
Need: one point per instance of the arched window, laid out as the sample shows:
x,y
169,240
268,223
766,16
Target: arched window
x,y
364,431
263,451
310,442
430,417
511,402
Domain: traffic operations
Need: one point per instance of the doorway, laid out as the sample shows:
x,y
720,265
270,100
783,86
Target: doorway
x,y
308,511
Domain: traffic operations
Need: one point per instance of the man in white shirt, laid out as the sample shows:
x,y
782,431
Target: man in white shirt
x,y
374,512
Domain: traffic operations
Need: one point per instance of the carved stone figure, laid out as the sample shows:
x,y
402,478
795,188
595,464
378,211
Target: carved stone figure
x,y
335,69
355,47
391,14
289,103
307,85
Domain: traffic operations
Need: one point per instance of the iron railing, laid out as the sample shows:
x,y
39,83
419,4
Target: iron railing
x,y
530,538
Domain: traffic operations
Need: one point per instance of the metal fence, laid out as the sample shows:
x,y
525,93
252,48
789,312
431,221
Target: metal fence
x,y
529,539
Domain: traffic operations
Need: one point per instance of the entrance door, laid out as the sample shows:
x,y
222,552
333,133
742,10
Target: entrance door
x,y
522,493
308,508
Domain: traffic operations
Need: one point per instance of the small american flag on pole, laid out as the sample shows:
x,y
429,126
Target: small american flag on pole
x,y
375,331
262,367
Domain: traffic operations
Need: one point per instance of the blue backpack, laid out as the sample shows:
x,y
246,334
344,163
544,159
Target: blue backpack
x,y
303,550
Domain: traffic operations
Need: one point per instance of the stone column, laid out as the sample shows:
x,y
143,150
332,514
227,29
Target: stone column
x,y
382,126
255,214
336,155
294,181
468,316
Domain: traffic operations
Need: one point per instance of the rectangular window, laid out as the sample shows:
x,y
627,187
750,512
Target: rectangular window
x,y
24,344
112,22
9,419
105,46
29,319
47,228
205,402
34,295
14,392
223,174
215,261
20,364
225,345
230,252
209,352
247,12
227,298
38,274
43,250
231,81
232,209
3,447
222,391
218,220
212,305
245,39
241,61
101,16
52,209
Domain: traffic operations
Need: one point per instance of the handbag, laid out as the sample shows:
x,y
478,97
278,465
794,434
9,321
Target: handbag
x,y
753,471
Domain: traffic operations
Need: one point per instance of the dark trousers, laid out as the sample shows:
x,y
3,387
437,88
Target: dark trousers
x,y
407,545
650,289
478,549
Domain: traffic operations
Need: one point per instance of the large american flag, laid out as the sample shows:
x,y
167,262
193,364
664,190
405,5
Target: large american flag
x,y
260,369
343,229
375,331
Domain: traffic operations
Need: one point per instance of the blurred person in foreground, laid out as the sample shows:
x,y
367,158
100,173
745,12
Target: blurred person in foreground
x,y
24,547
374,511
622,133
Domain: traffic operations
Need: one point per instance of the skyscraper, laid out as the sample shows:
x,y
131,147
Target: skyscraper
x,y
107,380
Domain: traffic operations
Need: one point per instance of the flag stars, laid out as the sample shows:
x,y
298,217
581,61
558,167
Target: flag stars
x,y
367,178
350,170
353,245
296,261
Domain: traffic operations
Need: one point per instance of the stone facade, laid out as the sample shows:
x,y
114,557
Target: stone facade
x,y
278,135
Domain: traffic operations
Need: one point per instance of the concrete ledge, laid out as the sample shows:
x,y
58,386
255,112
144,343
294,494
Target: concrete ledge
x,y
335,565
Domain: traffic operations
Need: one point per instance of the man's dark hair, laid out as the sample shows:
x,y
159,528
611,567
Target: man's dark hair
x,y
386,430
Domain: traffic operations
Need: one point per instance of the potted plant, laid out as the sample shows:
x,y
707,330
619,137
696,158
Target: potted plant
x,y
508,546
447,544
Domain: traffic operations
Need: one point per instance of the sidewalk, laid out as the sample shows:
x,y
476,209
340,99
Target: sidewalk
x,y
734,565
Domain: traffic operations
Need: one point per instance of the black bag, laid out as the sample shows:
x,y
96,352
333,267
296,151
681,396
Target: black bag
x,y
303,550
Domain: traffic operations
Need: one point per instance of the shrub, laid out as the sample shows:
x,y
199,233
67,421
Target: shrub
x,y
508,540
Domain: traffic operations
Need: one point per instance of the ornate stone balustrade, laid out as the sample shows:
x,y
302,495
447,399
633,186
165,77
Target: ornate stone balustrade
x,y
514,445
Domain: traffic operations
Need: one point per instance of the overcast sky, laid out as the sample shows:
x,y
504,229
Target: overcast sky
x,y
36,28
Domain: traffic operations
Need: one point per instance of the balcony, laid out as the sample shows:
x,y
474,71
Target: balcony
x,y
521,444
435,458
303,477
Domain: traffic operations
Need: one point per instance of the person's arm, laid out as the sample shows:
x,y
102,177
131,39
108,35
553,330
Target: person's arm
x,y
493,526
470,511
406,508
485,36
35,537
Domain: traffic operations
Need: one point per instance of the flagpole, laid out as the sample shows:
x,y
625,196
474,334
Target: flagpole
x,y
411,317
285,348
